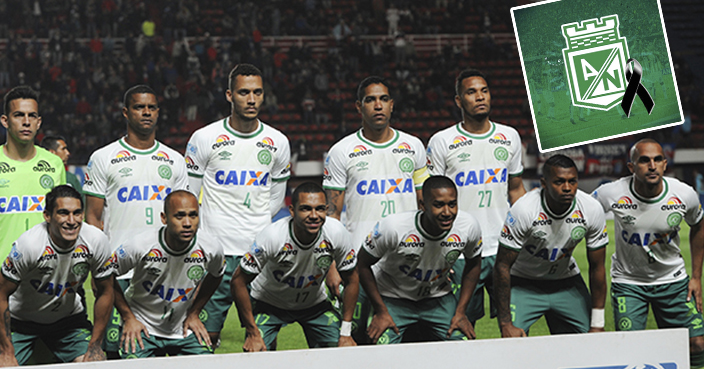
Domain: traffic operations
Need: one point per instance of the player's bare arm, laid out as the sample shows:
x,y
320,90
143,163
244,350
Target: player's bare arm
x,y
132,328
94,211
205,291
597,282
470,276
502,292
7,351
515,189
382,320
696,245
238,285
336,199
349,302
102,310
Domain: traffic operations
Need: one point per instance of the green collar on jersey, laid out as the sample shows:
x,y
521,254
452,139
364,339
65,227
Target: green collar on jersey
x,y
424,233
240,134
477,137
169,250
550,213
646,200
299,243
137,151
378,146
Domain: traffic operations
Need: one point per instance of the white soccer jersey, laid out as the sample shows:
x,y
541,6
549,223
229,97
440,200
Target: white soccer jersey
x,y
48,277
545,240
291,275
133,184
377,178
165,281
647,230
237,171
480,166
414,265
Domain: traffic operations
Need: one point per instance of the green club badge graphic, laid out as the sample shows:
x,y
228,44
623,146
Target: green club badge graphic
x,y
452,256
113,334
406,165
578,233
164,171
674,219
595,60
195,272
46,181
264,157
324,262
80,269
501,154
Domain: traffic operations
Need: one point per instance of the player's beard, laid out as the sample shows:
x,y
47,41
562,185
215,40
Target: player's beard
x,y
478,117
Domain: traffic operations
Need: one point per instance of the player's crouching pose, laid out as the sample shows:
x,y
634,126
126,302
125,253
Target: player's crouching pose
x,y
535,273
404,266
291,258
160,307
40,279
647,268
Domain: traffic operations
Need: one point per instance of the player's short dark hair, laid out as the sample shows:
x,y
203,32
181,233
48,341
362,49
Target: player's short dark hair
x,y
19,92
632,152
371,80
138,89
243,69
307,187
58,192
558,160
436,182
51,142
466,74
167,199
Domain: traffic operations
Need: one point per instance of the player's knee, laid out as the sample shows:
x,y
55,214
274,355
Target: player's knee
x,y
79,359
696,345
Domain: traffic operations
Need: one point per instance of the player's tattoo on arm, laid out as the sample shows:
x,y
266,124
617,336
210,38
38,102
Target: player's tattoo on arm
x,y
6,318
502,283
335,198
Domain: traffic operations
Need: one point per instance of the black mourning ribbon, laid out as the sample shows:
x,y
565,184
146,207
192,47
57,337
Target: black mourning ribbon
x,y
635,87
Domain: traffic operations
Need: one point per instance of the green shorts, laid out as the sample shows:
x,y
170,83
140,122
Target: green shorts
x,y
215,311
159,346
67,339
668,301
475,309
433,315
566,304
113,331
321,323
363,313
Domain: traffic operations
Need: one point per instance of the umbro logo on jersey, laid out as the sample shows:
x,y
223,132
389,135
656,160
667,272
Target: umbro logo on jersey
x,y
224,155
673,203
267,143
481,176
359,150
629,219
624,202
125,172
464,157
163,157
362,165
223,140
6,168
122,157
404,148
142,193
500,139
459,141
24,204
4,182
385,186
43,166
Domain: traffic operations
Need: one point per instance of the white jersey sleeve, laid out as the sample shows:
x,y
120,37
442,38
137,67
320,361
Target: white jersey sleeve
x,y
436,153
96,178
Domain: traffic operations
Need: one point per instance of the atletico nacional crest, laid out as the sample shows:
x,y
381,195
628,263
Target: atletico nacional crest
x,y
595,62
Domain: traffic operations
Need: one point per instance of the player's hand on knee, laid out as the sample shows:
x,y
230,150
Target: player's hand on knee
x,y
380,323
333,281
254,344
195,325
460,321
132,335
346,341
7,359
510,330
695,290
93,353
